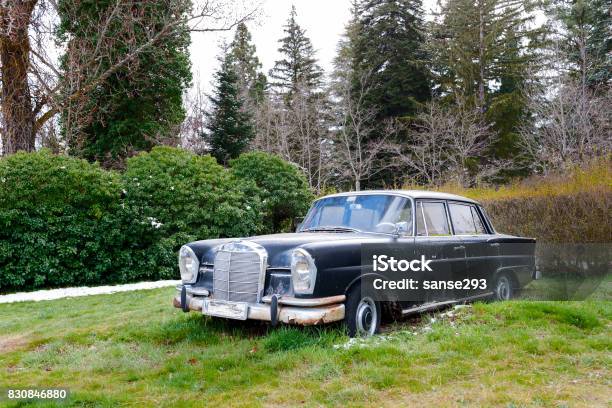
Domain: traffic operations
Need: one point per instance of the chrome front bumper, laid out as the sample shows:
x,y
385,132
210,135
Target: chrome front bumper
x,y
290,310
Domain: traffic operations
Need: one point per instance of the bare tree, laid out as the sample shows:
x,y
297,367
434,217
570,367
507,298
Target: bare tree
x,y
30,76
309,133
441,143
194,125
571,126
297,129
357,144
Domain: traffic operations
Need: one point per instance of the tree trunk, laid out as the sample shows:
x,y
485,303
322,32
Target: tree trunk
x,y
17,111
481,62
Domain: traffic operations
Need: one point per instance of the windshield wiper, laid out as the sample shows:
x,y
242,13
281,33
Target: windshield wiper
x,y
331,229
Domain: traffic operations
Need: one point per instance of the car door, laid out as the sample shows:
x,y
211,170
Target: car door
x,y
435,241
481,255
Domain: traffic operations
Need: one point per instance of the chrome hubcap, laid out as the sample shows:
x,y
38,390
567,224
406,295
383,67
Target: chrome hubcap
x,y
503,288
367,317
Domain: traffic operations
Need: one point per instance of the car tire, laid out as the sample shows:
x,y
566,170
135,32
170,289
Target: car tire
x,y
503,287
362,313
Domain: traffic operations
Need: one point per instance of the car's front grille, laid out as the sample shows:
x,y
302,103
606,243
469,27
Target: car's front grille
x,y
239,272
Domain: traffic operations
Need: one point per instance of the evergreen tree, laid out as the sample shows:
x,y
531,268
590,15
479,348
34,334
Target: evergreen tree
x,y
251,81
584,31
230,128
345,60
139,105
483,51
389,48
479,45
298,68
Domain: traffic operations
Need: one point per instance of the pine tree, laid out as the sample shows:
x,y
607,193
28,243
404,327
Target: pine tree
x,y
389,47
483,52
251,81
345,60
298,68
477,44
230,128
584,31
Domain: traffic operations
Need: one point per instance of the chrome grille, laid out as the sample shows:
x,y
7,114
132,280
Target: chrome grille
x,y
239,270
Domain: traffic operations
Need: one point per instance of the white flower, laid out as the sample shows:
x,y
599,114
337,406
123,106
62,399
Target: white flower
x,y
63,167
154,223
123,191
172,188
3,180
248,207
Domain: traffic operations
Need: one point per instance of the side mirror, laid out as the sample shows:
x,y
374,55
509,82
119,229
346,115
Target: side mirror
x,y
401,228
297,223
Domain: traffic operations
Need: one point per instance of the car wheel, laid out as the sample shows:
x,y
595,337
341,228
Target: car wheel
x,y
503,287
362,313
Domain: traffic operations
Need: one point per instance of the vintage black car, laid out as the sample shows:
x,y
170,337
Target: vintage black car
x,y
319,274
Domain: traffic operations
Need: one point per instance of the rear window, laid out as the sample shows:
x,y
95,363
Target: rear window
x,y
431,219
465,219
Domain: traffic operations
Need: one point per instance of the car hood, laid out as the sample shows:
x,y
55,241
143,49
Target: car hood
x,y
280,246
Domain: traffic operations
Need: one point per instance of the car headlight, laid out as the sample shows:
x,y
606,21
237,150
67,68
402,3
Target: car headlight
x,y
303,272
188,265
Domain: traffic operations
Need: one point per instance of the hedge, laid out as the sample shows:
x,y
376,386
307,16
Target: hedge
x,y
67,222
582,217
284,189
60,222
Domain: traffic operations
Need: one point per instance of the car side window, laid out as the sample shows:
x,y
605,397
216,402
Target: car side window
x,y
431,219
465,219
480,228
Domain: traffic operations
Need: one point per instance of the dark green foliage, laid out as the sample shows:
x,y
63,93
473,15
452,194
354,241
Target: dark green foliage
x,y
139,104
389,49
230,126
298,68
61,224
192,197
283,188
66,222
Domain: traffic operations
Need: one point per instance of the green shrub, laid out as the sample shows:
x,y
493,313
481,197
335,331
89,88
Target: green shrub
x,y
66,222
284,189
190,194
187,197
61,224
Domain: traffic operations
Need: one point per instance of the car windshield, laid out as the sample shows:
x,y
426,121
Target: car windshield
x,y
367,213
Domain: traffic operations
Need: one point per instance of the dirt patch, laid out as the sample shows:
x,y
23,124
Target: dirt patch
x,y
12,343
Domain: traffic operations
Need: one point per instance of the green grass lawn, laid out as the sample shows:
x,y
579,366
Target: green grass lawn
x,y
135,349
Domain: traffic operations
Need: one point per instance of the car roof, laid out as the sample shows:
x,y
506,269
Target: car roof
x,y
436,195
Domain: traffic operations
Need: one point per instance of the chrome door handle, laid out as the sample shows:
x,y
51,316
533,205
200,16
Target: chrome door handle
x,y
494,244
458,248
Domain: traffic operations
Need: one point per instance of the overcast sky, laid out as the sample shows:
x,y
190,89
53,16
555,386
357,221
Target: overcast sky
x,y
324,21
